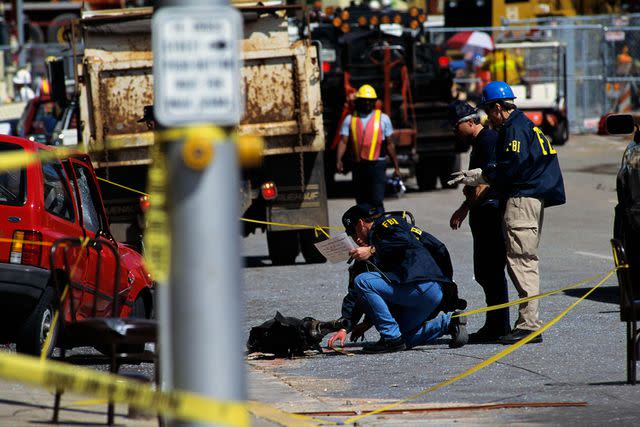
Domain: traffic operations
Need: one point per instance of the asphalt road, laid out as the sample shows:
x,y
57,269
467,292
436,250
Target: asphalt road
x,y
582,358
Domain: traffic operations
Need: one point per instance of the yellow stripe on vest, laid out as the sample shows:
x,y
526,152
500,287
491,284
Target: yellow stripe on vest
x,y
376,130
354,135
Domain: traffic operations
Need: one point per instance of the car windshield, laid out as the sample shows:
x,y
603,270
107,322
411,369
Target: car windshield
x,y
12,182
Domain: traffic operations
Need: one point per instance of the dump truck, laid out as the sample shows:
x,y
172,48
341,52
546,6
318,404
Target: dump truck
x,y
280,80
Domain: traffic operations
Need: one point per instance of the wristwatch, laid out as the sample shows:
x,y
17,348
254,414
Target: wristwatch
x,y
372,250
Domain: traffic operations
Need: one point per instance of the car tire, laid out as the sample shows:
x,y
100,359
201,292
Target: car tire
x,y
307,246
36,327
283,247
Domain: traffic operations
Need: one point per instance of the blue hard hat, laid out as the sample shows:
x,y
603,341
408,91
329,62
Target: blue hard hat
x,y
496,91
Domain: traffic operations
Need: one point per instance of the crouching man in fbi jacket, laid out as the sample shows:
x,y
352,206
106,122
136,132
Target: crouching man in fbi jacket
x,y
402,280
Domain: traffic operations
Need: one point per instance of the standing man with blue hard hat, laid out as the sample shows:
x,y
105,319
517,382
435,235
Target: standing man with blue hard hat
x,y
370,131
482,204
527,175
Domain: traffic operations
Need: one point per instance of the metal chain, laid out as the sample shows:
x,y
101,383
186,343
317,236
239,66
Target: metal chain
x,y
298,116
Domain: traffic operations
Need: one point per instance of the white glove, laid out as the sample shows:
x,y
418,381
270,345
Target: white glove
x,y
471,177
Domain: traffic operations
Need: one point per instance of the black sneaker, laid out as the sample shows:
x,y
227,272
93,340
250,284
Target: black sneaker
x,y
385,346
516,335
458,331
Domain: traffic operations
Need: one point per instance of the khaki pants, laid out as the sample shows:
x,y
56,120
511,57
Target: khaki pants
x,y
523,218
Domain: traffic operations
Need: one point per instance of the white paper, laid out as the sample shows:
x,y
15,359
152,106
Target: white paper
x,y
337,248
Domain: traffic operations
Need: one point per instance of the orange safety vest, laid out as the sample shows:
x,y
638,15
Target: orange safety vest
x,y
366,140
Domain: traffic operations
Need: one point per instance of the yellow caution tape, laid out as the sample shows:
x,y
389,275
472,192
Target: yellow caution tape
x,y
123,186
283,418
48,340
11,160
486,362
178,404
523,300
22,241
156,237
282,224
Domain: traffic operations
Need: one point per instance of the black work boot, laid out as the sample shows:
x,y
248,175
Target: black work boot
x,y
385,346
458,331
518,334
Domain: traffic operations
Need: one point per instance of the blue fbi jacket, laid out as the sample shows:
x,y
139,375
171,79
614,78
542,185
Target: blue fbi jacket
x,y
406,255
526,163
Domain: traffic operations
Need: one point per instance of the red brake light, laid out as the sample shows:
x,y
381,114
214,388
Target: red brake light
x,y
326,67
443,61
269,190
144,203
26,248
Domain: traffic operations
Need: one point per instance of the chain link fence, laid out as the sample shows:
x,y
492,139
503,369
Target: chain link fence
x,y
594,62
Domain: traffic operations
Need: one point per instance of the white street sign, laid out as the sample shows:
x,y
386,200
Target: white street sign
x,y
196,65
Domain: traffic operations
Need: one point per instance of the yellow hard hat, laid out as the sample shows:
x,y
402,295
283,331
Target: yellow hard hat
x,y
367,92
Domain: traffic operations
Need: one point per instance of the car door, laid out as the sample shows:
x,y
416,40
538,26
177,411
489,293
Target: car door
x,y
99,283
60,219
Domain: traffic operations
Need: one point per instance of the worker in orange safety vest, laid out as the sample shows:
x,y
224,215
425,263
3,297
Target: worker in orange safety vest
x,y
369,130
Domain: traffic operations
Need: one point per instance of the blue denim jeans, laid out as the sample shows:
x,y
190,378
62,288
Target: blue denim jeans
x,y
402,309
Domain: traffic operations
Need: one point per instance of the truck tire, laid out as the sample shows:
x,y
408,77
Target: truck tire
x,y
59,27
309,250
36,327
283,247
560,135
426,175
448,166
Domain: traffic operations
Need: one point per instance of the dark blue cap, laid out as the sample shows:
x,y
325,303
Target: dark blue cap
x,y
461,110
353,214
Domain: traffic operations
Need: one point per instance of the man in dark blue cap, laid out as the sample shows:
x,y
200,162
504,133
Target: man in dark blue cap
x,y
485,219
403,289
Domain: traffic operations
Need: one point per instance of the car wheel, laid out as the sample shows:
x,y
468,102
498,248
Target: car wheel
x,y
38,325
283,247
309,251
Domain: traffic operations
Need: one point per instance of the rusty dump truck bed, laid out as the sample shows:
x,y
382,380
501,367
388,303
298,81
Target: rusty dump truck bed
x,y
279,80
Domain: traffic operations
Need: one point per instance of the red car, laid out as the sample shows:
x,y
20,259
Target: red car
x,y
39,204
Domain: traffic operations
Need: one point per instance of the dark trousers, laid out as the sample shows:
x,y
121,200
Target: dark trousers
x,y
489,260
369,179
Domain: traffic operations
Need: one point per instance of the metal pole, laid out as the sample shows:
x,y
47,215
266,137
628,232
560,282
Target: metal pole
x,y
20,32
205,292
